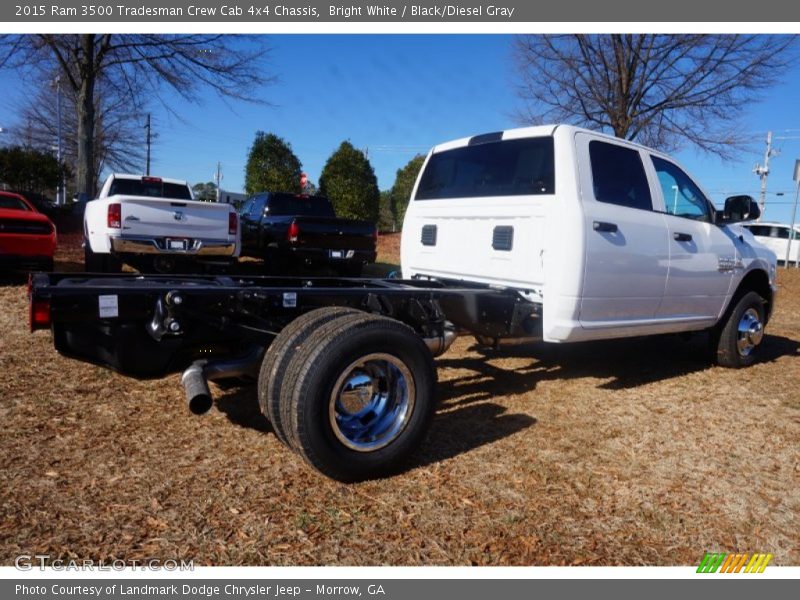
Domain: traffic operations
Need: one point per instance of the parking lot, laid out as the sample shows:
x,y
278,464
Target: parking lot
x,y
615,453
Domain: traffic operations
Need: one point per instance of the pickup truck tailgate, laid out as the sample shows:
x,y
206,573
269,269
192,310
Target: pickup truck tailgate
x,y
163,217
335,234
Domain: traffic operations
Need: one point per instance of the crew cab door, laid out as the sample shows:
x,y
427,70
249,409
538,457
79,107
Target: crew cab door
x,y
626,245
702,255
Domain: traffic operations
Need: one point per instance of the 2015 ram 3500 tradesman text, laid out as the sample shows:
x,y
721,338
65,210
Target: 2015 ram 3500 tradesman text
x,y
552,233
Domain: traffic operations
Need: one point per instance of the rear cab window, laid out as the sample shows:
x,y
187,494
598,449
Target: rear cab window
x,y
515,167
153,187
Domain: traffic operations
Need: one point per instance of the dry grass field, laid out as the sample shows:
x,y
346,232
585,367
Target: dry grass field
x,y
627,453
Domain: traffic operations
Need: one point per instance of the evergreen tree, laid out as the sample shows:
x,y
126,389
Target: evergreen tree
x,y
349,181
403,185
272,166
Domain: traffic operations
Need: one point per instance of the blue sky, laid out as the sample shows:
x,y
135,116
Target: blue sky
x,y
396,95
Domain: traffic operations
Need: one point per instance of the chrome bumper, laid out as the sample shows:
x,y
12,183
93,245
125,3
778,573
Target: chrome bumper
x,y
149,245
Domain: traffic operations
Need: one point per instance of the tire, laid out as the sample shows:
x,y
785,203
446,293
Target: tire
x,y
736,343
271,377
359,435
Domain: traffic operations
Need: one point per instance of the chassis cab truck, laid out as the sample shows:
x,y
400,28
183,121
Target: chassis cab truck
x,y
546,233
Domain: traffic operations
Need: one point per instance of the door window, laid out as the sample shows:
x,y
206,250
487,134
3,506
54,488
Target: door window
x,y
257,208
618,176
682,197
245,210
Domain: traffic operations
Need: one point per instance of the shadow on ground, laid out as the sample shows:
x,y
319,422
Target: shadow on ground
x,y
626,363
465,420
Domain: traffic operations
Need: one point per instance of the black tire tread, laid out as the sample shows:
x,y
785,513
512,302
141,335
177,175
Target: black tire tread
x,y
309,359
724,339
295,367
273,368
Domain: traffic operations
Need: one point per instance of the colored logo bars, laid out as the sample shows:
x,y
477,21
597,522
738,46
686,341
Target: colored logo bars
x,y
733,563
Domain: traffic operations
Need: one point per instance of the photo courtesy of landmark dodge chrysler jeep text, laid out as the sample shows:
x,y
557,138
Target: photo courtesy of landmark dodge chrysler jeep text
x,y
549,233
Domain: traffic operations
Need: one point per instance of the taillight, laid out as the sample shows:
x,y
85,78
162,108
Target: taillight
x,y
293,232
233,223
115,215
40,314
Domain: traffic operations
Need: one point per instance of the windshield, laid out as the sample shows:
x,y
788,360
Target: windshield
x,y
13,203
153,187
505,168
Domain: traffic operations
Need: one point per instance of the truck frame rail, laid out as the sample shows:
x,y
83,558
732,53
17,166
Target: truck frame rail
x,y
152,325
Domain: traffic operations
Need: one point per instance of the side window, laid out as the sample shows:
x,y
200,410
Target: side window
x,y
257,208
618,176
247,206
682,197
780,232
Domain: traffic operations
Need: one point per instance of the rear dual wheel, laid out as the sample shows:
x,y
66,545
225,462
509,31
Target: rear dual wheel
x,y
356,395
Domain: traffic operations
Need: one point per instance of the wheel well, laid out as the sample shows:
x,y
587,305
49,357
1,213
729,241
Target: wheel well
x,y
756,281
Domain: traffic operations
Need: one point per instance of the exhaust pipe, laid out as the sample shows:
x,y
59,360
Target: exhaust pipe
x,y
195,379
198,396
439,345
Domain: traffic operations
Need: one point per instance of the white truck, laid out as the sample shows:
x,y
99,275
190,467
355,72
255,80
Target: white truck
x,y
154,224
545,233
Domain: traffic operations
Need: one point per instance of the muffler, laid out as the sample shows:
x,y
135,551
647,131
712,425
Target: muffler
x,y
439,345
195,379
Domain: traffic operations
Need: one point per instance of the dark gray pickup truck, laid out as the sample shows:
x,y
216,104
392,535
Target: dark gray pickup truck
x,y
290,230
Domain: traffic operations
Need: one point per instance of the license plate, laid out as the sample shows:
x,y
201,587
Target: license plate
x,y
176,244
336,254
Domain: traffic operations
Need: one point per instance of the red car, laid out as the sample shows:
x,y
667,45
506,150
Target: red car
x,y
27,237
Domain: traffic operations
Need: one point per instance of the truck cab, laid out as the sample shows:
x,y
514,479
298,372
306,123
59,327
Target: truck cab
x,y
611,238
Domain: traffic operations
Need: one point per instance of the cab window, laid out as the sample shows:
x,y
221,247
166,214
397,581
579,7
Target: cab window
x,y
246,206
682,197
618,176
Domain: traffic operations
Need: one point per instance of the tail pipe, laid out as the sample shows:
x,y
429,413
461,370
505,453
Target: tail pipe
x,y
195,379
198,396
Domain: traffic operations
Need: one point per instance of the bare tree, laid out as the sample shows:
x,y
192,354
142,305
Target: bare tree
x,y
117,133
138,68
661,90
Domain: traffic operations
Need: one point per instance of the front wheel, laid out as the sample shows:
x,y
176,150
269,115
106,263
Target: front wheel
x,y
737,344
362,397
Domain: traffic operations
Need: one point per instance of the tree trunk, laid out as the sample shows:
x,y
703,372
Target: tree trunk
x,y
84,172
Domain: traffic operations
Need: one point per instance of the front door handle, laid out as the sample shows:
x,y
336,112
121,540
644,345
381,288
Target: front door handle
x,y
604,227
682,237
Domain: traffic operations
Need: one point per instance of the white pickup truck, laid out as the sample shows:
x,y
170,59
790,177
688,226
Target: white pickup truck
x,y
545,233
154,224
612,239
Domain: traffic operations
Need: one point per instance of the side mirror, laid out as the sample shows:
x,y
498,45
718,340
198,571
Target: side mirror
x,y
740,208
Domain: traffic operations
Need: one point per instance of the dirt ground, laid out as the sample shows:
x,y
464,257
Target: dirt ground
x,y
626,453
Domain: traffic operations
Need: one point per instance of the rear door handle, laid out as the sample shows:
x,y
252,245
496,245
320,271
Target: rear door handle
x,y
605,227
682,237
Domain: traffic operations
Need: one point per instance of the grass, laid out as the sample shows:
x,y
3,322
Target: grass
x,y
626,453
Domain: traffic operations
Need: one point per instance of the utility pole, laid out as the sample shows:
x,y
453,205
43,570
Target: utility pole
x,y
763,173
218,178
147,127
60,193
